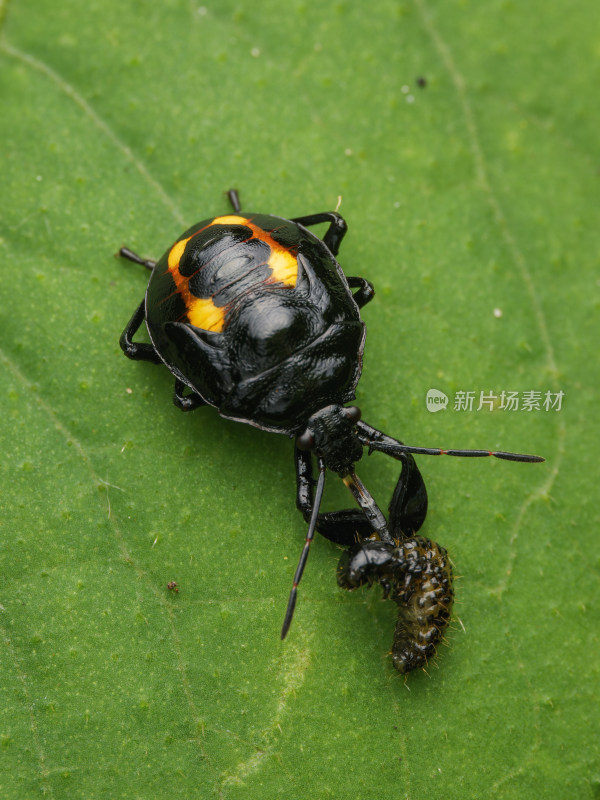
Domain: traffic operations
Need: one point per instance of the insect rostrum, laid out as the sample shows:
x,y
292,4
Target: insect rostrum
x,y
253,315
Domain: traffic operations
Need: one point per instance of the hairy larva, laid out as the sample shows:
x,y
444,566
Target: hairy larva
x,y
416,574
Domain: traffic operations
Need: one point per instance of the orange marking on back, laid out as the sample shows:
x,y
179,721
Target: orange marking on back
x,y
284,266
202,312
230,219
283,263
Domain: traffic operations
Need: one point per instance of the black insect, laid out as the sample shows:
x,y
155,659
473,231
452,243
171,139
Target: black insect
x,y
253,315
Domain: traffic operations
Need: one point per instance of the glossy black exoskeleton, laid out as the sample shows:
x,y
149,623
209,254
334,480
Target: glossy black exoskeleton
x,y
253,315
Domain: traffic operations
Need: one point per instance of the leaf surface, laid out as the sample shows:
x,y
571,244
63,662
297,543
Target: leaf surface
x,y
472,203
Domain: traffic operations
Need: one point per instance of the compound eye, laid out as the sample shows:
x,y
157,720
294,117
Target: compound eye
x,y
353,413
305,441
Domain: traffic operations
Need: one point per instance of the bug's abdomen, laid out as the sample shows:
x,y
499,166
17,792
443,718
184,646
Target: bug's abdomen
x,y
220,262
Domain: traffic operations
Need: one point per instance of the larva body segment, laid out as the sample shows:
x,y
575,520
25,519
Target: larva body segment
x,y
424,594
417,574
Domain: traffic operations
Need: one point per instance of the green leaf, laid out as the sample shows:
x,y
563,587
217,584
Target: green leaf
x,y
472,204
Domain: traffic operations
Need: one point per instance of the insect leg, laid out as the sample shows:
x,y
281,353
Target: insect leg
x,y
408,506
234,199
344,527
336,231
365,293
186,402
135,350
145,262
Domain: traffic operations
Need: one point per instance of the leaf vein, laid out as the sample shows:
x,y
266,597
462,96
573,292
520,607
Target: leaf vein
x,y
100,123
125,552
481,173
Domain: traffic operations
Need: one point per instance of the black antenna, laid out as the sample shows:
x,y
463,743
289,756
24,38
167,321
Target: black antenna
x,y
304,555
376,440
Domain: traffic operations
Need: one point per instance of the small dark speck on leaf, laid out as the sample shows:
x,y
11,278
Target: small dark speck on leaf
x,y
421,82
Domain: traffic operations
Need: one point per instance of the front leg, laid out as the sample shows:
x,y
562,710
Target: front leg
x,y
344,527
408,507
